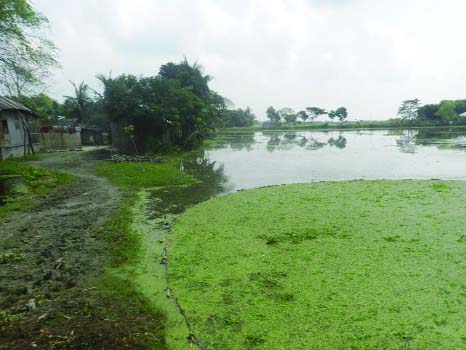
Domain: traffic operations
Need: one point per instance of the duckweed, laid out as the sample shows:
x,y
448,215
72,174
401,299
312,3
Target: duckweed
x,y
342,265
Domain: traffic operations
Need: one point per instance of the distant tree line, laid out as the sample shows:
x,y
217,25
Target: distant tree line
x,y
289,116
445,112
238,117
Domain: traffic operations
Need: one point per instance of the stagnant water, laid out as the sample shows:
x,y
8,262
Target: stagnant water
x,y
263,158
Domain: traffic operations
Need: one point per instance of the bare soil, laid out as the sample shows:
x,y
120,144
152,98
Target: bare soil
x,y
47,299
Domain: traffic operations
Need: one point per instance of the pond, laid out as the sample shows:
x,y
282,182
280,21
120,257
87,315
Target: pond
x,y
283,157
264,158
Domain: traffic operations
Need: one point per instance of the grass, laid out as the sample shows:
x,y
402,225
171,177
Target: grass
x,y
132,176
34,184
341,265
134,244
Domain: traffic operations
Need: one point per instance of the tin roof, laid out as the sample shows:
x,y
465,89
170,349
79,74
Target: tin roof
x,y
9,105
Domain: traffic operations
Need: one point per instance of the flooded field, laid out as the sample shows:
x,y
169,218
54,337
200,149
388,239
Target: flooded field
x,y
329,265
256,159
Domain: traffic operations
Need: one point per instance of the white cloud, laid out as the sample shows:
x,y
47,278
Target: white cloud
x,y
366,55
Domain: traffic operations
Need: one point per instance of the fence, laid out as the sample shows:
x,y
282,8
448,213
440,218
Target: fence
x,y
55,141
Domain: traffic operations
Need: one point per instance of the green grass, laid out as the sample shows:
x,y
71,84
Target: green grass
x,y
341,265
34,185
143,175
133,241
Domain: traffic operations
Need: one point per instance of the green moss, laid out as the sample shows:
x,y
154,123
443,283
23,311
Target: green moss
x,y
342,265
142,175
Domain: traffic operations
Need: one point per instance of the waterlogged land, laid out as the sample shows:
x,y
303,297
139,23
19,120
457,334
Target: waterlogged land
x,y
331,265
348,265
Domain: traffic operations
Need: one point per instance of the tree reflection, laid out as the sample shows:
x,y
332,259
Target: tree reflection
x,y
288,141
210,181
239,142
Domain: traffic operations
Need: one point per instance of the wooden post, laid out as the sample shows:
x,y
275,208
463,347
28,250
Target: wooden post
x,y
26,128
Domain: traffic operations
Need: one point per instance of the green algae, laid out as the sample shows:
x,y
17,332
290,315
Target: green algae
x,y
340,265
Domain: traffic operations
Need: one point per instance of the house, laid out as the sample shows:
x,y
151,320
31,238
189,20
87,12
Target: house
x,y
16,139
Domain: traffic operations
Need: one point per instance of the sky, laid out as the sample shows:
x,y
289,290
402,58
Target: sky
x,y
365,55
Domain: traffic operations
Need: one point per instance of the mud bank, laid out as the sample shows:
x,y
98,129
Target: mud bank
x,y
54,294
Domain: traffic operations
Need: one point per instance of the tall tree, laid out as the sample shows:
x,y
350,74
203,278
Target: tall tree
x,y
26,56
409,109
80,101
175,106
447,111
315,112
303,115
273,115
288,115
341,113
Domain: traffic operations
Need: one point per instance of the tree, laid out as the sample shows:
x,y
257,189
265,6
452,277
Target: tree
x,y
238,117
42,105
78,105
288,115
341,113
175,106
273,115
447,111
303,115
409,110
315,112
427,112
26,56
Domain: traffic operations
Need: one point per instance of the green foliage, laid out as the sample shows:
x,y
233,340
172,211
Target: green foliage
x,y
177,102
9,257
38,183
288,115
144,175
42,105
238,117
341,114
447,111
25,55
78,106
408,110
314,112
342,265
273,115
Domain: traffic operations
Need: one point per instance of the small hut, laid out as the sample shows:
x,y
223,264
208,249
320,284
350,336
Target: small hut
x,y
16,139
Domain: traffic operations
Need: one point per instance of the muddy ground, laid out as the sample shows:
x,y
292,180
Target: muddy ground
x,y
47,299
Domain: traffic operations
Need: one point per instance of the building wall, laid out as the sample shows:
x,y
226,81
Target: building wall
x,y
12,135
15,135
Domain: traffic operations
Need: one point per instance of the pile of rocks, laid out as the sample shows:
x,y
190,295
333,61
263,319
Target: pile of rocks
x,y
127,158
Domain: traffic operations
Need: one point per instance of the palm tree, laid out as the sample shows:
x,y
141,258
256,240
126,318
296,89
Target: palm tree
x,y
81,99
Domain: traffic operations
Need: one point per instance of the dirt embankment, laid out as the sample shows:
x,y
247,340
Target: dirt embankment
x,y
44,301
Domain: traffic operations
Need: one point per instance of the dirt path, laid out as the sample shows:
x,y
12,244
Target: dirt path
x,y
59,246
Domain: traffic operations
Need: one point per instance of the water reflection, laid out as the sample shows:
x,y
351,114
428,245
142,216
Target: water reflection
x,y
282,157
210,178
287,141
408,141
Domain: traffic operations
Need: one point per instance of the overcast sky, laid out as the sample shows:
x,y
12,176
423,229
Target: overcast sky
x,y
363,54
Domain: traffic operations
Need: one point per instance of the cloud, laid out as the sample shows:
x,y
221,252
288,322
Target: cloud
x,y
365,55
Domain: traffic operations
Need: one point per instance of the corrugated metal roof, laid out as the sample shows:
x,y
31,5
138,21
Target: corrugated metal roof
x,y
7,105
